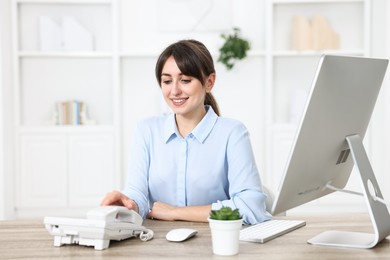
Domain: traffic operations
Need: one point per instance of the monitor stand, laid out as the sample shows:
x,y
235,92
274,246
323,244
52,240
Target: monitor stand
x,y
379,214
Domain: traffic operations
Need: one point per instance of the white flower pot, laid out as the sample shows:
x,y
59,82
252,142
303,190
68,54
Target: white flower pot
x,y
225,236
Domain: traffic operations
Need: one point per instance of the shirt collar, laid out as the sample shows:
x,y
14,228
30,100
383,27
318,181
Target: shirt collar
x,y
170,129
200,132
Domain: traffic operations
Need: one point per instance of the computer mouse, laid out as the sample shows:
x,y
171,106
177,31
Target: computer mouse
x,y
180,234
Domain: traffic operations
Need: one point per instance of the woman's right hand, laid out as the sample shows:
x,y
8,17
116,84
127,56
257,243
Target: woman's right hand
x,y
119,199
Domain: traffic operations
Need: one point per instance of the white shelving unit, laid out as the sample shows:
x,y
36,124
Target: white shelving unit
x,y
63,169
290,72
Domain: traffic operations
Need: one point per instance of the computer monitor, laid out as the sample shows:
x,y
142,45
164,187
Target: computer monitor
x,y
329,142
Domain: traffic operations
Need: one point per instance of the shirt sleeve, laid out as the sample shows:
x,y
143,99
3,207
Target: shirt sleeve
x,y
244,181
136,186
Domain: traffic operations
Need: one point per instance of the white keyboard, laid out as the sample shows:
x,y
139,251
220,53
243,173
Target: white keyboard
x,y
270,229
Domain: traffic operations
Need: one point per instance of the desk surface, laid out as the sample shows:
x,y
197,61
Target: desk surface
x,y
29,239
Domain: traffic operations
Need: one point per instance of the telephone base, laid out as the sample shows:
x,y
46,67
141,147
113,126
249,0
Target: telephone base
x,y
87,232
101,225
98,244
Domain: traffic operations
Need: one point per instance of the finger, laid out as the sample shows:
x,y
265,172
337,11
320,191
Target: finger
x,y
111,199
105,202
127,202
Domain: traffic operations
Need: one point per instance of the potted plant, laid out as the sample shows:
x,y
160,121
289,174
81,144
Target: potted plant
x,y
225,225
234,48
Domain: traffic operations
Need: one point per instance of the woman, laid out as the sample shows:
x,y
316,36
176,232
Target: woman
x,y
185,164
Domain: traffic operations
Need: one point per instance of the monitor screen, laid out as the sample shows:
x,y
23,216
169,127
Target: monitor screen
x,y
340,104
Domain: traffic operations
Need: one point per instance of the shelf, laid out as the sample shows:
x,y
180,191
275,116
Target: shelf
x,y
288,53
315,1
65,50
287,17
338,27
68,2
251,53
341,26
66,129
33,54
64,23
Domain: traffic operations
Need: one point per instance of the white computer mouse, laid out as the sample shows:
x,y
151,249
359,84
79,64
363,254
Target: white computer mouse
x,y
180,234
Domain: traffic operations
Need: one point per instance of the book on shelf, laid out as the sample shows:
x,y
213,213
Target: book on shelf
x,y
313,34
70,112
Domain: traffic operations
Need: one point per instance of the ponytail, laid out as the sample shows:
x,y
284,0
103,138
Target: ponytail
x,y
210,100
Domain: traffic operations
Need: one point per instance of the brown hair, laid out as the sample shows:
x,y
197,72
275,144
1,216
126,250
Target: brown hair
x,y
194,60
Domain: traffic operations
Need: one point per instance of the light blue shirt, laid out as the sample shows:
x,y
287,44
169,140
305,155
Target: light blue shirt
x,y
214,164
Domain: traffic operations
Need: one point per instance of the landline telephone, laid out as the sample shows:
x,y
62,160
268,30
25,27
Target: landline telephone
x,y
101,225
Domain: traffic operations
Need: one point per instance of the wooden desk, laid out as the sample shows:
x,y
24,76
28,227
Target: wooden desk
x,y
29,239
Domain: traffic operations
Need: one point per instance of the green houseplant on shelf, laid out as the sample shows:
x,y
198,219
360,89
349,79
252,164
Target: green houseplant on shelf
x,y
234,48
225,225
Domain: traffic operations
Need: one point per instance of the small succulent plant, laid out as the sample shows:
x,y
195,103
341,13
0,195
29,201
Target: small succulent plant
x,y
225,213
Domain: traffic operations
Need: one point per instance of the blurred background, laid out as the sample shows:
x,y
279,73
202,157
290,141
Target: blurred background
x,y
76,76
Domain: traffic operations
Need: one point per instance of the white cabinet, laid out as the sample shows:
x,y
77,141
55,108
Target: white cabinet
x,y
63,170
65,51
50,70
42,178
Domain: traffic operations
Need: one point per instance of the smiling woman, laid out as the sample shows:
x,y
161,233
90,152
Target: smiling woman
x,y
190,162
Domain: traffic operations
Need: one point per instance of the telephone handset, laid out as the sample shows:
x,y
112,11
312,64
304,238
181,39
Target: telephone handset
x,y
101,225
115,214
